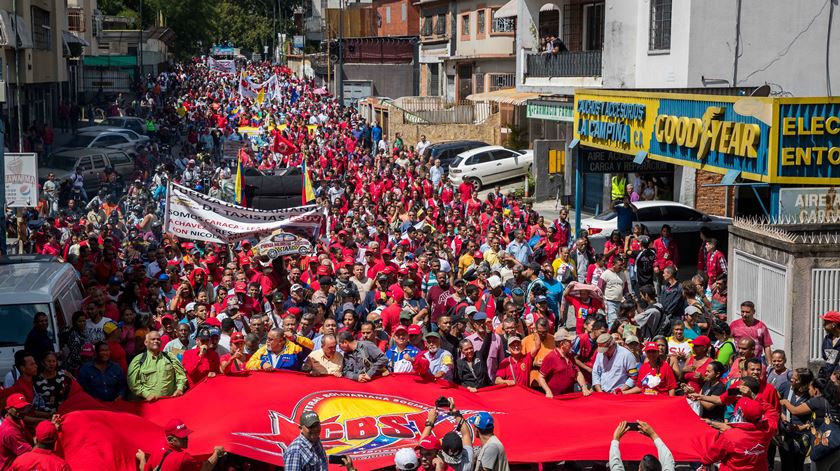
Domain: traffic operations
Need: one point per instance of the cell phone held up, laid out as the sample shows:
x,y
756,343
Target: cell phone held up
x,y
633,426
335,459
442,404
733,392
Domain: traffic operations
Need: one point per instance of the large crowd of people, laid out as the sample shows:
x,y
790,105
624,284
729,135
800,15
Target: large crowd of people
x,y
412,276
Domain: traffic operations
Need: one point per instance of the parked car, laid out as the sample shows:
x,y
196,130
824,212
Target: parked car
x,y
114,140
90,162
139,140
447,151
685,223
28,285
137,125
489,164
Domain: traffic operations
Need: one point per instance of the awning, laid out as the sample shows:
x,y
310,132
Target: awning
x,y
507,95
508,10
8,22
70,38
110,61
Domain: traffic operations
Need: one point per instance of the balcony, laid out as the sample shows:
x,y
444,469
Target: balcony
x,y
564,64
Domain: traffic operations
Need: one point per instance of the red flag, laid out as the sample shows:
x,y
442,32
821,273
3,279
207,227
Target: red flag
x,y
369,421
283,145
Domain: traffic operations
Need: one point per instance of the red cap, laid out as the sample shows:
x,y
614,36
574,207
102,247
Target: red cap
x,y
429,443
324,270
831,316
46,432
176,428
751,410
702,340
388,270
211,259
213,322
239,287
651,347
414,329
17,401
237,337
403,271
478,254
88,350
167,316
293,311
400,328
386,251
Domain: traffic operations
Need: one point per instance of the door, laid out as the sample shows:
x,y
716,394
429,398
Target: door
x,y
121,163
479,165
91,178
511,163
98,169
465,85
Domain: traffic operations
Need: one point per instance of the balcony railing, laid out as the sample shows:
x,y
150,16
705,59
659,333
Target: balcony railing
x,y
565,64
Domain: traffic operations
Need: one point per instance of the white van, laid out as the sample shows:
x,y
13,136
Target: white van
x,y
28,285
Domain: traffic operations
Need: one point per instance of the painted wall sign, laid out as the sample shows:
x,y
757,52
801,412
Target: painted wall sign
x,y
550,110
809,205
604,161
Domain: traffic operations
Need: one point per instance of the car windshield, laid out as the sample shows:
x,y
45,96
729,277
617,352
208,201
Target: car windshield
x,y
81,141
61,162
456,162
113,122
17,320
606,216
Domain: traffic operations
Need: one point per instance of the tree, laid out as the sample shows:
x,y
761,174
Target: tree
x,y
244,24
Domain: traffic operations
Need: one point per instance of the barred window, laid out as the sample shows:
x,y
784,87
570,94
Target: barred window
x,y
76,21
41,31
427,26
465,24
503,25
660,25
440,25
480,22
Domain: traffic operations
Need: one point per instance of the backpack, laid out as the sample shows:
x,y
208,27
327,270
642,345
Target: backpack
x,y
644,264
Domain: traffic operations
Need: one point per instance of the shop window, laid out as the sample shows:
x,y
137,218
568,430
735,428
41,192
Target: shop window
x,y
660,25
41,30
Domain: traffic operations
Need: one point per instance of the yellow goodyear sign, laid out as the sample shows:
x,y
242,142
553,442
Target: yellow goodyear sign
x,y
774,140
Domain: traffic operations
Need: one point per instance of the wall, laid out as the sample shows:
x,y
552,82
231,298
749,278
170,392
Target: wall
x,y
391,80
488,131
398,27
482,43
783,42
712,200
619,58
659,69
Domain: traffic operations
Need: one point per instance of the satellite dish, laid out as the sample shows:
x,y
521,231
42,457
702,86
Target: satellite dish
x,y
763,90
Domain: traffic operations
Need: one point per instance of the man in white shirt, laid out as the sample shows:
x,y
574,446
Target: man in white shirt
x,y
615,367
614,285
436,173
422,145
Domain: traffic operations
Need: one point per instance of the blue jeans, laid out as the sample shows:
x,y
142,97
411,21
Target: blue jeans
x,y
612,311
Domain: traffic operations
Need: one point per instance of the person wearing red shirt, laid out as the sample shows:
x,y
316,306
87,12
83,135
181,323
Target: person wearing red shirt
x,y
465,189
742,444
656,377
581,299
173,455
667,254
42,457
234,362
715,262
695,367
14,439
558,372
515,369
113,336
202,361
750,327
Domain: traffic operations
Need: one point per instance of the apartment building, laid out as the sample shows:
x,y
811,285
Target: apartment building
x,y
397,18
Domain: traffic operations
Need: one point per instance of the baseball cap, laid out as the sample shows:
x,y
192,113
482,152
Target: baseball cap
x,y
482,420
323,270
451,442
213,322
237,337
400,328
831,316
480,316
651,347
190,307
18,401
540,299
278,297
296,287
513,339
751,410
562,335
406,459
631,339
309,418
46,432
605,339
109,327
406,315
693,310
470,310
429,443
702,340
433,334
88,350
203,333
414,329
239,287
176,428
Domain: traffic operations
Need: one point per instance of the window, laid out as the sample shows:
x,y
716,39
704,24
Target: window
x,y
440,25
503,154
119,159
465,25
660,25
649,214
403,12
98,161
16,320
678,213
480,27
503,25
76,20
388,15
426,29
434,81
41,31
84,164
594,24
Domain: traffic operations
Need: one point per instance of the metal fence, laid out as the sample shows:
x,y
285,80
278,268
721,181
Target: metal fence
x,y
435,110
565,64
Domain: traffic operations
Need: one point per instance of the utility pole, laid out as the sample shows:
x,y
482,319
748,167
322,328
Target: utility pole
x,y
274,31
140,44
340,72
3,222
17,85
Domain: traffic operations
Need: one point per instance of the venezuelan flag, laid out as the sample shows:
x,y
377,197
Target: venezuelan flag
x,y
239,189
308,191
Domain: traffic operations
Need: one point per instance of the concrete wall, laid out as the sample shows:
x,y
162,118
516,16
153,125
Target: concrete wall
x,y
546,185
397,26
488,131
391,80
481,43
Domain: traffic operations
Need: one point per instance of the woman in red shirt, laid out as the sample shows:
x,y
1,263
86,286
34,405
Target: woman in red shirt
x,y
655,376
234,362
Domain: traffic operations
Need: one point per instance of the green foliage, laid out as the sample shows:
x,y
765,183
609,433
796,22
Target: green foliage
x,y
517,138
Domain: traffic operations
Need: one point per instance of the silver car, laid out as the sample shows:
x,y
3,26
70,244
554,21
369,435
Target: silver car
x,y
112,140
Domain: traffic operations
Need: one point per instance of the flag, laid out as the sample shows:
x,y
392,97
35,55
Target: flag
x,y
261,96
283,145
370,421
308,191
239,191
294,96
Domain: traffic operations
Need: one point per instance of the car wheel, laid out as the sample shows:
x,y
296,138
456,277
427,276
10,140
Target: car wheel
x,y
272,254
475,182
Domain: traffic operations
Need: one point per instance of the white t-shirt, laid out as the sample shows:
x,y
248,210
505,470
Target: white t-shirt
x,y
94,330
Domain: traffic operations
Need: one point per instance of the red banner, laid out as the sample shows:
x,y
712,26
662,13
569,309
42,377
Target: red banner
x,y
257,416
